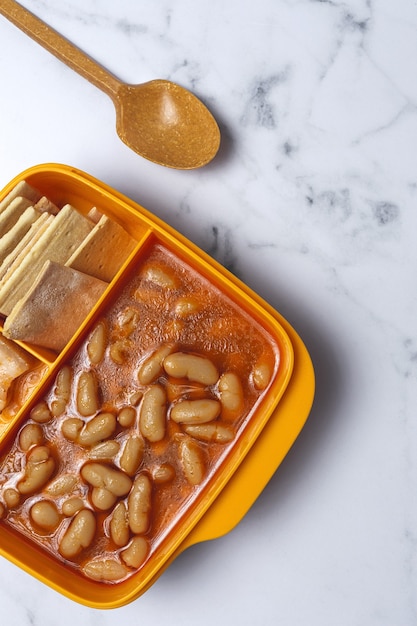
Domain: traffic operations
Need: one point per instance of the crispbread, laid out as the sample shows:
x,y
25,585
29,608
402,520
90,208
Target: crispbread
x,y
62,236
10,240
46,315
46,205
23,190
19,252
11,213
103,251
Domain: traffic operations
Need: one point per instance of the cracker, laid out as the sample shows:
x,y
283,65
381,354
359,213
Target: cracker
x,y
14,258
103,251
23,190
12,212
11,239
48,314
57,243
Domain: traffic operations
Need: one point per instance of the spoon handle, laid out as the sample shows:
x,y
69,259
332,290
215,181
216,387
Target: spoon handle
x,y
58,45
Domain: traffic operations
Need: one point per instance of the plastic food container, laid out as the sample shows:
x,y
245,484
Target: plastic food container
x,y
198,482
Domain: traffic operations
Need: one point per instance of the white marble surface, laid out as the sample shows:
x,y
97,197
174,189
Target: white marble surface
x,y
311,201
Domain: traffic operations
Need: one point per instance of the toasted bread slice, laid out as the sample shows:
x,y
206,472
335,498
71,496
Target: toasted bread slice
x,y
22,190
57,243
55,306
103,251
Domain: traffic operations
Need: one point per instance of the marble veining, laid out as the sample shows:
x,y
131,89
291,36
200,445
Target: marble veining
x,y
311,202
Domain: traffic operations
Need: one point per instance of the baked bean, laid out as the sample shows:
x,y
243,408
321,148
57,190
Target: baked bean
x,y
79,534
162,277
106,570
62,485
87,394
152,417
102,498
214,432
127,416
72,427
192,460
41,413
39,469
2,510
96,346
186,306
30,435
261,375
11,497
195,411
199,369
119,525
151,368
105,450
231,392
127,321
132,455
139,504
136,552
63,383
101,475
120,351
163,473
45,514
100,427
71,506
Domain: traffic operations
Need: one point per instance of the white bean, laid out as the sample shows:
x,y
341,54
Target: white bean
x,y
261,375
71,506
119,525
63,383
62,485
45,514
132,455
41,413
163,277
120,351
151,368
100,427
192,460
199,369
102,475
136,553
11,497
105,450
163,473
231,392
79,534
39,469
72,427
139,504
127,416
87,394
127,321
152,417
30,435
186,306
106,570
215,432
96,346
195,411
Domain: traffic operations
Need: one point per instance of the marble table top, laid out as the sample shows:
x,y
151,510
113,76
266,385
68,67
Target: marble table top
x,y
311,201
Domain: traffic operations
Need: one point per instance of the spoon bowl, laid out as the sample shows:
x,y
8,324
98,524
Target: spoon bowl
x,y
159,120
166,124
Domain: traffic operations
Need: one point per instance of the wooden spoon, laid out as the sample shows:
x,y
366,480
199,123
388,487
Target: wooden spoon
x,y
159,120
